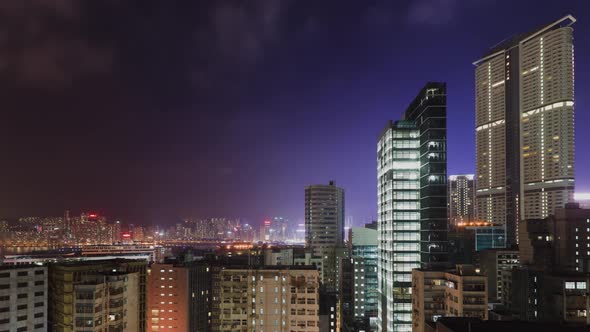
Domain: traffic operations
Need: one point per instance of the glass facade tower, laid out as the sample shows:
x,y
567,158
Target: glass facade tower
x,y
399,222
412,203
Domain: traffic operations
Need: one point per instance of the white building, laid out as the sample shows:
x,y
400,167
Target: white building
x,y
398,168
23,298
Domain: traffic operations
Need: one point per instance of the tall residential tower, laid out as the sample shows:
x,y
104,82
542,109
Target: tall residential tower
x,y
412,203
461,199
524,91
324,217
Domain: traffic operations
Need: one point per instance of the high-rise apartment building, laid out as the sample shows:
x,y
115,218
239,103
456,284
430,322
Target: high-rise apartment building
x,y
75,286
524,91
106,301
461,199
324,217
456,293
266,299
412,202
23,298
178,297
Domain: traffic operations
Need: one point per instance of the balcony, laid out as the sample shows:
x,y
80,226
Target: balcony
x,y
474,301
474,288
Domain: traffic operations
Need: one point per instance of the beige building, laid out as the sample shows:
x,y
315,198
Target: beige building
x,y
266,299
324,217
104,295
456,293
106,302
524,91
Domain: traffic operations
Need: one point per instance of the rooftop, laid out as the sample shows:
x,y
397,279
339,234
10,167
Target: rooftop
x,y
269,267
462,324
514,40
19,267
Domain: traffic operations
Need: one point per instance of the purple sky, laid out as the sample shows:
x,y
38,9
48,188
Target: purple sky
x,y
150,111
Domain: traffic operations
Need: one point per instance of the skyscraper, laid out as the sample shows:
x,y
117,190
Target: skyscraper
x,y
429,112
324,217
461,199
279,229
524,91
265,231
398,165
412,202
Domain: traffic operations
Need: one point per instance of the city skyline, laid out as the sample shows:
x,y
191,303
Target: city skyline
x,y
148,155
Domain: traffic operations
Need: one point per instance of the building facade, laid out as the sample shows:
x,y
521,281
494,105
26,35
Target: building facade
x,y
324,217
549,296
106,301
492,262
178,297
398,232
67,282
412,202
265,299
458,293
572,237
364,257
461,199
524,91
561,240
23,298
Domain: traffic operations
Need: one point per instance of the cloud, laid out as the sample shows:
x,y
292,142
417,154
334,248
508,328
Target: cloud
x,y
431,12
41,43
236,36
379,14
208,44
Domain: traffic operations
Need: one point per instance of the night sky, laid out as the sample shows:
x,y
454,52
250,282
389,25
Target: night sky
x,y
150,111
